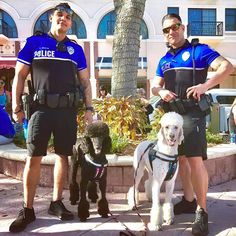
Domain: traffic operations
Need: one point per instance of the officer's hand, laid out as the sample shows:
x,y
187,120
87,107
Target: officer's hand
x,y
88,117
18,117
167,95
196,91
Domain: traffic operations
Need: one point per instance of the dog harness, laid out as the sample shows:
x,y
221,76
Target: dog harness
x,y
98,168
153,154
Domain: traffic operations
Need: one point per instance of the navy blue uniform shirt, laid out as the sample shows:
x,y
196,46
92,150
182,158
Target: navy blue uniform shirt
x,y
176,67
52,69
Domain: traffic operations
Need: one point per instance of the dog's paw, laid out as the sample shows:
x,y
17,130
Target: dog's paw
x,y
152,227
83,219
103,208
83,210
104,215
169,221
168,213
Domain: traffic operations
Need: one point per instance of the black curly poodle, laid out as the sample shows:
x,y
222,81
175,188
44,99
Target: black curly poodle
x,y
90,153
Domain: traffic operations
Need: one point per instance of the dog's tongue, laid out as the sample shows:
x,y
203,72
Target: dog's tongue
x,y
171,142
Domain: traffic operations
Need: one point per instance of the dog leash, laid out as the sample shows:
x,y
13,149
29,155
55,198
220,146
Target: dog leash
x,y
122,233
129,232
135,206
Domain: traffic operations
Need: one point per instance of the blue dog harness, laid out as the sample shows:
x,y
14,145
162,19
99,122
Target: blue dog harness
x,y
153,154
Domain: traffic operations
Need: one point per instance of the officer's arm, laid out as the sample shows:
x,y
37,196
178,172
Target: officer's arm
x,y
158,89
83,77
21,73
234,113
158,84
223,69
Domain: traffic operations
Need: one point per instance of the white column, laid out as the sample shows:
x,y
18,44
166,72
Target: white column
x,y
92,70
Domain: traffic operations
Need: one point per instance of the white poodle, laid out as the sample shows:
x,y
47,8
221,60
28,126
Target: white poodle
x,y
161,161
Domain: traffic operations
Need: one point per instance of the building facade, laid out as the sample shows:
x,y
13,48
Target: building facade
x,y
213,22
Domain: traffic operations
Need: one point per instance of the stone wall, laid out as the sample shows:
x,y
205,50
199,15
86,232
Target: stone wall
x,y
221,167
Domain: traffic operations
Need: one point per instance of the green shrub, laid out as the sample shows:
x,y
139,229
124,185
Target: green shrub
x,y
213,138
19,139
119,143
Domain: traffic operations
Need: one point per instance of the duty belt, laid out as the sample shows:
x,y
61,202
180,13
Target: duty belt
x,y
181,106
56,100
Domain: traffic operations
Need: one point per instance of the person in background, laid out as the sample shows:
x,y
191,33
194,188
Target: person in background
x,y
55,63
174,82
5,97
103,93
232,118
7,131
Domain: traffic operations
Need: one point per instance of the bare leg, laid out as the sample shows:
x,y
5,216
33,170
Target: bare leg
x,y
60,174
185,176
199,177
30,179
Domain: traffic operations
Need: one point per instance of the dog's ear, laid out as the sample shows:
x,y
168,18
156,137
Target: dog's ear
x,y
90,148
160,135
106,145
74,152
81,145
181,135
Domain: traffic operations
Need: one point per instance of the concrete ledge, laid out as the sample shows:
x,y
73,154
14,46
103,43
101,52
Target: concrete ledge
x,y
221,167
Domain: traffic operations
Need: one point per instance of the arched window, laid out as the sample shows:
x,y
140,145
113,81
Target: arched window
x,y
7,25
78,28
107,26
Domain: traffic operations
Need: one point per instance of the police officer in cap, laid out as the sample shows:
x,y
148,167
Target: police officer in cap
x,y
56,64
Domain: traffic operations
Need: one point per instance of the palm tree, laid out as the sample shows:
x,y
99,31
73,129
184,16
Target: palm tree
x,y
126,46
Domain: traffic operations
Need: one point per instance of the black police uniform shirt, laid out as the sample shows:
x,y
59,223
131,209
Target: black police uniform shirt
x,y
176,67
53,68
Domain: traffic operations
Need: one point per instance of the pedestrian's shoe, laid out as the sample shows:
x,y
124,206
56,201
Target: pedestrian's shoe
x,y
58,209
25,216
185,206
200,225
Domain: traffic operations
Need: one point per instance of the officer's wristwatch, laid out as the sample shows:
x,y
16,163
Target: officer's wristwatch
x,y
89,109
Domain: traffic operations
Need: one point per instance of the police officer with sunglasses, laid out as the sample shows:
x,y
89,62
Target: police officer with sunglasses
x,y
181,83
57,65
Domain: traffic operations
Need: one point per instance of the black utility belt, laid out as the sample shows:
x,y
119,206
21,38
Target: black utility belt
x,y
181,106
56,100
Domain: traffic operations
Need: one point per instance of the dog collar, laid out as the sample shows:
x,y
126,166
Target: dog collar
x,y
88,159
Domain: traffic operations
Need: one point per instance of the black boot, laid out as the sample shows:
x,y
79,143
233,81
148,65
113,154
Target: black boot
x,y
185,206
200,225
58,209
25,216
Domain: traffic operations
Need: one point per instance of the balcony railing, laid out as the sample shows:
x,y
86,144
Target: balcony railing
x,y
205,28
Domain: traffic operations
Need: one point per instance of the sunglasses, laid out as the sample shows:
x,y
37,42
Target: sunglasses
x,y
174,27
61,9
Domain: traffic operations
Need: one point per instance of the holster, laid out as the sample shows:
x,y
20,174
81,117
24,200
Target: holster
x,y
27,105
177,106
41,96
205,104
79,99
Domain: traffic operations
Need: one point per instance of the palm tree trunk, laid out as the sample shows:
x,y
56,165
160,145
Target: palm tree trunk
x,y
126,44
